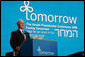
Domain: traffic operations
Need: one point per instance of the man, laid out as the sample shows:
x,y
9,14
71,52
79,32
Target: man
x,y
19,36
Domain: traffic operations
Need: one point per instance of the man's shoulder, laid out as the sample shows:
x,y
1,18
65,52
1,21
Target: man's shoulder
x,y
14,31
26,32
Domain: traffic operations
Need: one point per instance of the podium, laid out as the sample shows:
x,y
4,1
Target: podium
x,y
35,47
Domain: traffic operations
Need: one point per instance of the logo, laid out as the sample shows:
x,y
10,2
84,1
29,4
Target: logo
x,y
26,8
69,31
65,19
41,52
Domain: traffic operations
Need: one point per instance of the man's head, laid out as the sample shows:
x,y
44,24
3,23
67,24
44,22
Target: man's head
x,y
20,24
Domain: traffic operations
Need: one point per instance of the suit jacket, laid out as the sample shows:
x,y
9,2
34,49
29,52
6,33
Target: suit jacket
x,y
17,38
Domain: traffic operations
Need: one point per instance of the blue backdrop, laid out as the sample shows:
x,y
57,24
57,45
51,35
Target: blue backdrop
x,y
10,13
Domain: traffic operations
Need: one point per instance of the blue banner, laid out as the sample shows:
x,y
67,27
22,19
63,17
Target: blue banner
x,y
61,21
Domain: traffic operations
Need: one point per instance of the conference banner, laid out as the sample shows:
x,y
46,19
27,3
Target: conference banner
x,y
60,21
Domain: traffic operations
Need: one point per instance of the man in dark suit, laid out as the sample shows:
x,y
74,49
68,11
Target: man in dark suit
x,y
19,36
